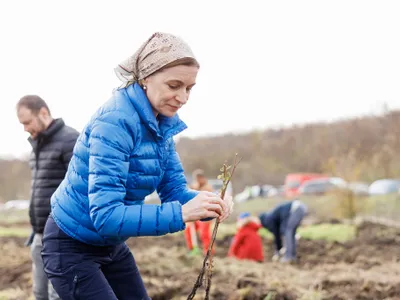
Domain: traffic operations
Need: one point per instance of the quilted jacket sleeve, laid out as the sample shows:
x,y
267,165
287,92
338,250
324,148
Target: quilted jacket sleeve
x,y
173,186
111,141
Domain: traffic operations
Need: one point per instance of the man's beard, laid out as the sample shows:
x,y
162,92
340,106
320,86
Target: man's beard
x,y
41,128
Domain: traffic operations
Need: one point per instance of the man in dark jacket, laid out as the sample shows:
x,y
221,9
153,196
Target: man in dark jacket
x,y
283,220
52,145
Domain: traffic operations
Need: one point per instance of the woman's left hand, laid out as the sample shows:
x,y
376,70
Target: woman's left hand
x,y
229,204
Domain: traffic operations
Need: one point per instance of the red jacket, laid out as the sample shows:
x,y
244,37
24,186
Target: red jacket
x,y
247,244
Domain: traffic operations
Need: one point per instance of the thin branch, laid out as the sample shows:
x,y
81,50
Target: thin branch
x,y
207,267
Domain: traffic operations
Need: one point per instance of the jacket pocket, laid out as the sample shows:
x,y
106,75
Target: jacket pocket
x,y
75,287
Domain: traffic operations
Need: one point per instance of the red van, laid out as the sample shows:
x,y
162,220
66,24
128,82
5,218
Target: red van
x,y
294,180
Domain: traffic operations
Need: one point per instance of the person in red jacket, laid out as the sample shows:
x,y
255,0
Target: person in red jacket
x,y
247,244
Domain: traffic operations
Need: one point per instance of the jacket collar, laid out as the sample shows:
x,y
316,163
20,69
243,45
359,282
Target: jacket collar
x,y
54,127
164,127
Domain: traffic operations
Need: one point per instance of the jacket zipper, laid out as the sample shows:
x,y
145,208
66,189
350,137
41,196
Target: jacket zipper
x,y
36,151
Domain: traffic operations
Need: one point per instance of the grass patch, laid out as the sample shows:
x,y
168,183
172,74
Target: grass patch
x,y
328,232
387,206
15,231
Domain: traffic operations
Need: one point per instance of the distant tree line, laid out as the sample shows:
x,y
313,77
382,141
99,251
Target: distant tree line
x,y
358,149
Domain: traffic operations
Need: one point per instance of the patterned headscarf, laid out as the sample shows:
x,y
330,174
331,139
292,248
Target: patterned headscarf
x,y
158,51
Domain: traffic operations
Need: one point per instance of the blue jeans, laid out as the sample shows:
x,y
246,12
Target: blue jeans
x,y
82,271
294,221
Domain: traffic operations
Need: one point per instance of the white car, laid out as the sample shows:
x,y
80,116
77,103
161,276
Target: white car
x,y
384,187
358,188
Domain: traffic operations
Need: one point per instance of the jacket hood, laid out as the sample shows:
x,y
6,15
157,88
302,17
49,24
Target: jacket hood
x,y
267,220
249,221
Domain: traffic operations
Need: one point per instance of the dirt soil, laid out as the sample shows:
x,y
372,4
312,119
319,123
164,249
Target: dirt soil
x,y
367,267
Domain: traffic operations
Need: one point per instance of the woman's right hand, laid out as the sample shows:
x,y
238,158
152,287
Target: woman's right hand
x,y
204,205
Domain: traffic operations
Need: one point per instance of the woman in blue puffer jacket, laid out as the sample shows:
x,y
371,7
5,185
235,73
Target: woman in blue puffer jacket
x,y
124,153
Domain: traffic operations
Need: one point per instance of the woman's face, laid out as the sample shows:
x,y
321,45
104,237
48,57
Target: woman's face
x,y
169,90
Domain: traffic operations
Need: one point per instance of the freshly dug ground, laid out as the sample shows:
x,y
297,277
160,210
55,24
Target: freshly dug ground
x,y
367,267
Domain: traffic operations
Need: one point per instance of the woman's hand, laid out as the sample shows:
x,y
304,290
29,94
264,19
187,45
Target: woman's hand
x,y
205,205
229,204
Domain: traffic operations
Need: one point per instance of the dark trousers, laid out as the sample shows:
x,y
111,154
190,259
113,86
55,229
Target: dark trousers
x,y
81,271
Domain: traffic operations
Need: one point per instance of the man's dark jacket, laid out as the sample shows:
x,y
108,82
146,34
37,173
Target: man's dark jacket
x,y
51,152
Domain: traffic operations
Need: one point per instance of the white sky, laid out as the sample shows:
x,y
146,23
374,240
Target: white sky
x,y
263,64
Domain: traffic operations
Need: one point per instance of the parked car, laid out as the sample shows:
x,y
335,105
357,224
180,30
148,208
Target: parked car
x,y
293,182
339,182
278,191
249,192
359,188
317,186
272,192
384,187
265,189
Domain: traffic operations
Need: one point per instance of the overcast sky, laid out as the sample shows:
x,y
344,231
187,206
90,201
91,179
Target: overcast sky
x,y
263,63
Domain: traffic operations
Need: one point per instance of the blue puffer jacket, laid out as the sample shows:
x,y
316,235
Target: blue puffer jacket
x,y
123,155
